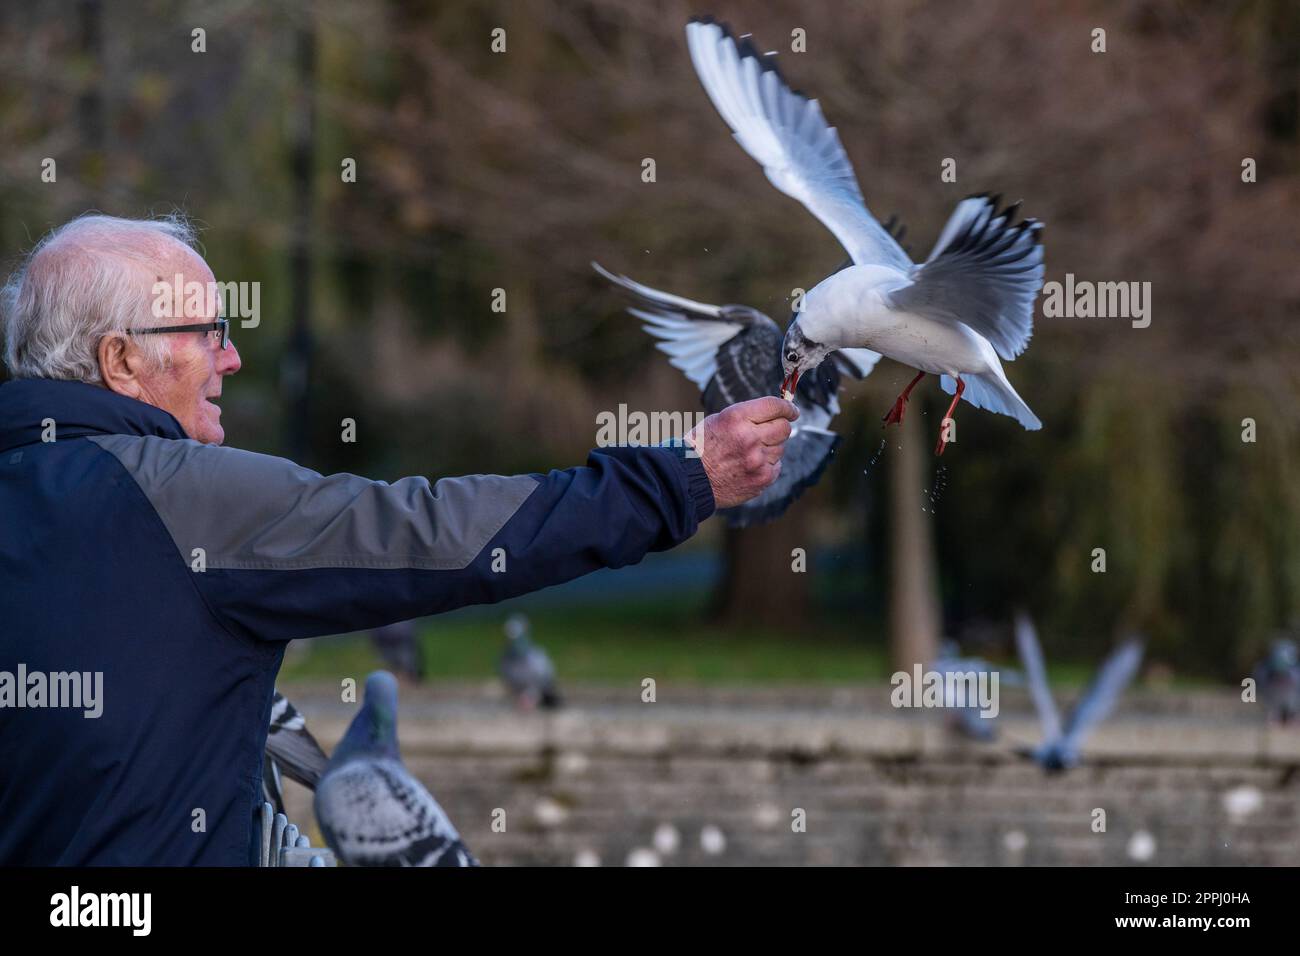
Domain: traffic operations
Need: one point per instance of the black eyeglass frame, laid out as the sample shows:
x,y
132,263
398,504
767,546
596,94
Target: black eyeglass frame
x,y
221,325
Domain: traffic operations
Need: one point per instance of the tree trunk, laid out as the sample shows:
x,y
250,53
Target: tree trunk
x,y
759,587
913,600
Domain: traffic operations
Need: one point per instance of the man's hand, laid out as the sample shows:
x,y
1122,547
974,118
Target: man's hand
x,y
741,447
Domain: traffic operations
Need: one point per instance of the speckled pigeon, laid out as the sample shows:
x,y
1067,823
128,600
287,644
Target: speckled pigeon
x,y
371,810
526,669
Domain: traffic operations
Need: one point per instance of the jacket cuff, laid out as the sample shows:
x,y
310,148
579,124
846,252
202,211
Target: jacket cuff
x,y
698,485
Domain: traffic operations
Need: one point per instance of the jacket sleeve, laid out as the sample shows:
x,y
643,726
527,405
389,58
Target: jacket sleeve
x,y
279,552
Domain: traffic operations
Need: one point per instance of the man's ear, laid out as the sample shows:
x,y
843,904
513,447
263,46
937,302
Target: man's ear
x,y
118,365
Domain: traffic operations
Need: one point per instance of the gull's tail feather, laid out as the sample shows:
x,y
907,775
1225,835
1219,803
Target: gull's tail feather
x,y
994,394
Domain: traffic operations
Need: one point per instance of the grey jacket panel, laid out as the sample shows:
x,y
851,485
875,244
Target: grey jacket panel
x,y
257,512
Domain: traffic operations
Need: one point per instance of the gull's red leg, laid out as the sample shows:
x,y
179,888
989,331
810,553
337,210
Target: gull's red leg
x,y
895,415
938,449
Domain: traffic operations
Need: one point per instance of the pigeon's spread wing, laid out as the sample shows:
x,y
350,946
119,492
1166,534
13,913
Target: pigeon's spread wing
x,y
291,745
1115,674
787,135
984,272
374,813
807,453
692,334
1031,656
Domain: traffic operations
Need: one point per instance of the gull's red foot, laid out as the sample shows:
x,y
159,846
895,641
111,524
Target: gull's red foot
x,y
895,415
943,425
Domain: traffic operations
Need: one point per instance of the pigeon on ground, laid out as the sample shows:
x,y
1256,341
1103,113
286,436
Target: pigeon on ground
x,y
966,718
526,669
956,315
733,354
291,750
400,648
1278,680
371,811
1060,747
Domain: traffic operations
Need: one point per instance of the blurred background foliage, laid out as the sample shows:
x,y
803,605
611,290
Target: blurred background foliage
x,y
479,170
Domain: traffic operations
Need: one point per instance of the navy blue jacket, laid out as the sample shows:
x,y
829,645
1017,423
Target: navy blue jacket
x,y
178,571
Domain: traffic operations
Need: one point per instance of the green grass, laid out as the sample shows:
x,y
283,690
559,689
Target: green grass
x,y
614,643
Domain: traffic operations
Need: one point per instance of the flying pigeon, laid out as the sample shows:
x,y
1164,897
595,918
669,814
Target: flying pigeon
x,y
733,353
955,315
966,718
291,750
399,647
371,811
526,669
1278,679
1060,748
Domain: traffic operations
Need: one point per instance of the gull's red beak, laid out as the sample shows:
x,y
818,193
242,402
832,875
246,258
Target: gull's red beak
x,y
789,384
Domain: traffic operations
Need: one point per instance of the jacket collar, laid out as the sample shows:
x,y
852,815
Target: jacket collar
x,y
77,409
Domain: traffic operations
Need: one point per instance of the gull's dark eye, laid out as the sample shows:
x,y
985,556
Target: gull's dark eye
x,y
792,356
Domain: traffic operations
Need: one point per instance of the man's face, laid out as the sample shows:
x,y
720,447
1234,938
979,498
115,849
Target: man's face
x,y
189,387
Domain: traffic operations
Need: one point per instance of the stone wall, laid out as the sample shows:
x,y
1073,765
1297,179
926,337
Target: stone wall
x,y
715,776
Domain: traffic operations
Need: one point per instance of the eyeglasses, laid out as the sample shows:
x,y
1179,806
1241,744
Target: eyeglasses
x,y
221,325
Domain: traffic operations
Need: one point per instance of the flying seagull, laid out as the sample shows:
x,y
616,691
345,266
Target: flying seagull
x,y
526,669
966,718
955,315
370,809
733,353
399,646
1060,747
291,750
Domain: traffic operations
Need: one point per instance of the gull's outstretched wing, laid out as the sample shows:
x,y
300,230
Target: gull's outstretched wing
x,y
787,135
1115,674
1031,656
984,271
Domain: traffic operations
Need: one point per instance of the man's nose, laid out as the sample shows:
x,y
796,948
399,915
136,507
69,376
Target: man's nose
x,y
228,361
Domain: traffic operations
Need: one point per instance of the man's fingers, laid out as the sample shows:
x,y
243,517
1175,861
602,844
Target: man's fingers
x,y
774,432
769,407
772,453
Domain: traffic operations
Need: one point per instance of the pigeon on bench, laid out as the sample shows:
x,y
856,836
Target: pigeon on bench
x,y
399,646
371,811
958,315
1278,680
291,751
1061,746
526,669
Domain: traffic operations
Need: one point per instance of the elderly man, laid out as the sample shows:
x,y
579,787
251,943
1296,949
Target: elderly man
x,y
149,577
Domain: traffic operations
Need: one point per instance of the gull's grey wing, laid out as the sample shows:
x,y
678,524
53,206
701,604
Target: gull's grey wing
x,y
984,272
1115,674
1031,656
787,135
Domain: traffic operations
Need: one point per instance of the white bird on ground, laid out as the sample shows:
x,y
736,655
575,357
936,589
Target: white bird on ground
x,y
956,315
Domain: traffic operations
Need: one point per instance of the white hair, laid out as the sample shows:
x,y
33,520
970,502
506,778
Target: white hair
x,y
88,278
